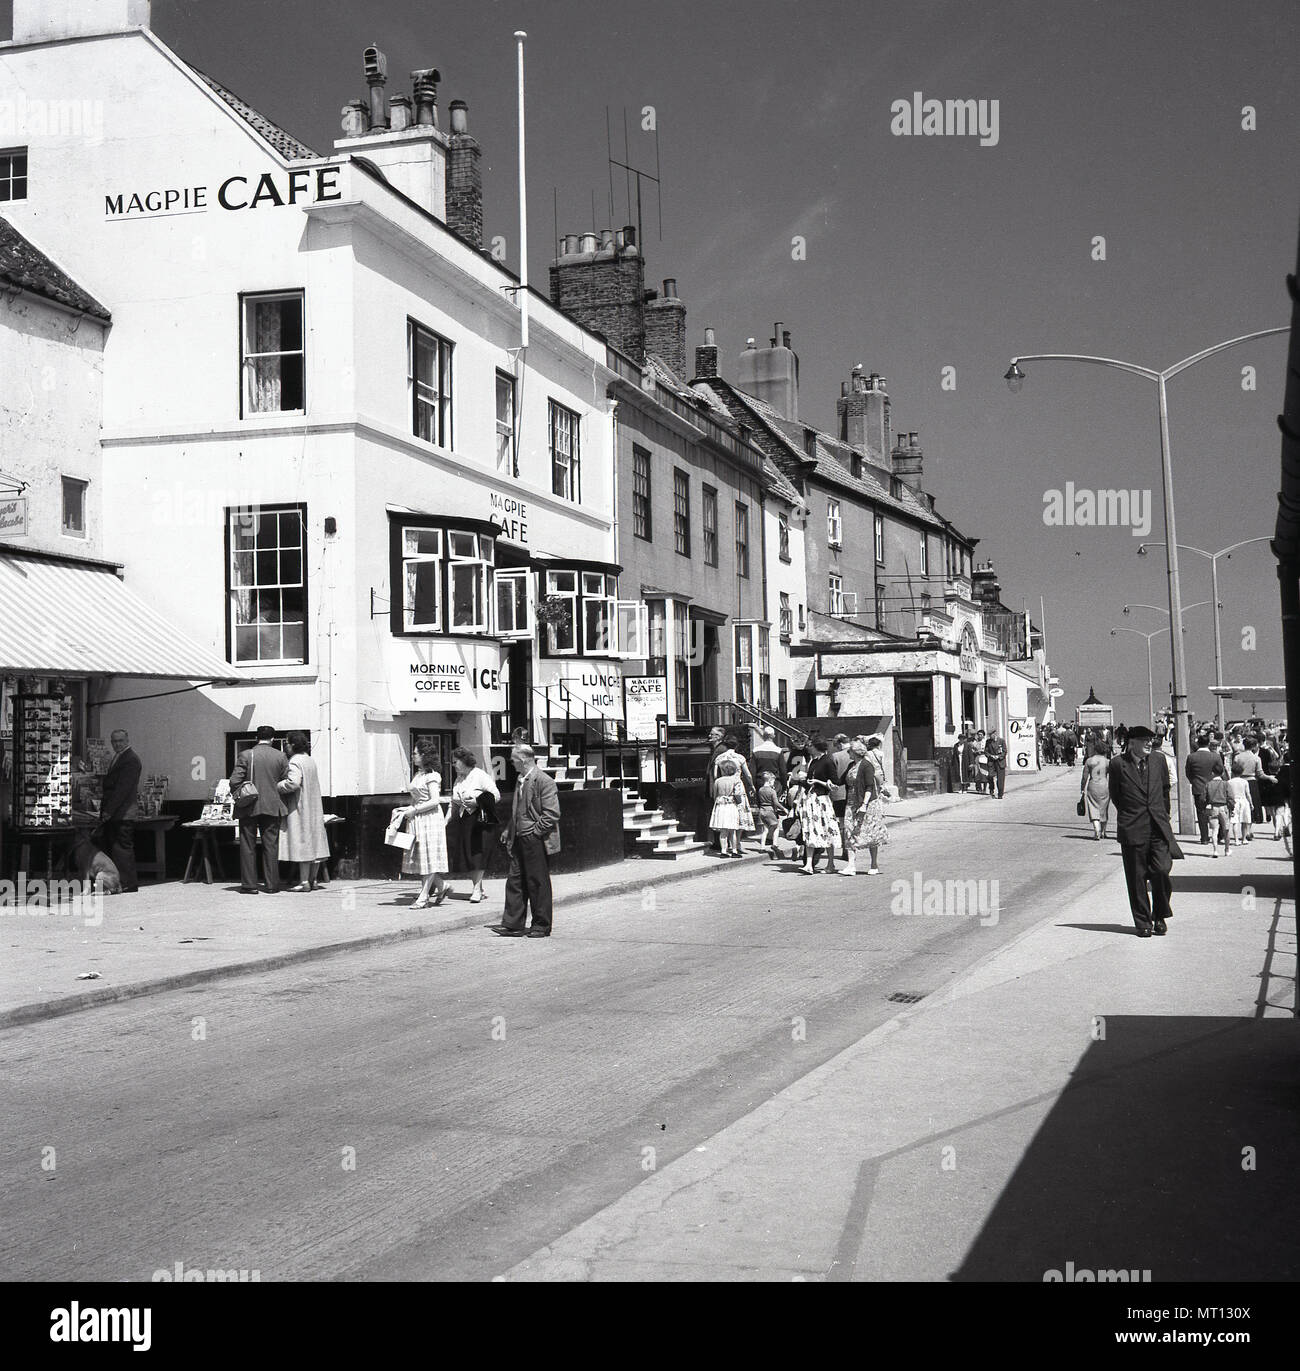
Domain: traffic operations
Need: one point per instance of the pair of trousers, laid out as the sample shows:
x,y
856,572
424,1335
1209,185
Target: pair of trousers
x,y
119,843
528,884
1202,816
263,828
1143,863
998,778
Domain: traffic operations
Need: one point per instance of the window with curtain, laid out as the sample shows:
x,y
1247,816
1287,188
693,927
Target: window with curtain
x,y
710,526
272,354
469,560
682,512
422,580
428,375
880,539
744,665
765,668
562,630
787,618
834,530
266,584
681,661
598,613
657,643
742,540
783,535
837,593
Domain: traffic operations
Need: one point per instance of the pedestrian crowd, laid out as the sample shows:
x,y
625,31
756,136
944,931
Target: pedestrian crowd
x,y
978,761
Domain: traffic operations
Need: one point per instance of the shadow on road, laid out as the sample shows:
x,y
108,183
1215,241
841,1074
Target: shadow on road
x,y
1130,929
1173,1150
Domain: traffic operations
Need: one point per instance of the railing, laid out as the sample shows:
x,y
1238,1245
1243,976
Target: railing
x,y
558,705
722,713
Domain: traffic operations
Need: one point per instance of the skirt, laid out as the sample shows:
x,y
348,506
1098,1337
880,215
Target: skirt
x,y
427,856
1098,809
465,834
725,816
868,828
817,818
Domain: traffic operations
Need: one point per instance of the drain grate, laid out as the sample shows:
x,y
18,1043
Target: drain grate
x,y
906,997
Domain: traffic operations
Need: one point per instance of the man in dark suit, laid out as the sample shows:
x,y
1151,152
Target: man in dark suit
x,y
1139,788
1201,765
532,837
259,820
119,808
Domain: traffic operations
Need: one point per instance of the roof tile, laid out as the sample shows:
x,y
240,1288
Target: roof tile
x,y
24,265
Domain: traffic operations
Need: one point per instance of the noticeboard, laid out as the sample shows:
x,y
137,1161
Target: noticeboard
x,y
1022,745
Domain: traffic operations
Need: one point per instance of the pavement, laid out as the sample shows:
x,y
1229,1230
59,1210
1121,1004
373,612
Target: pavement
x,y
1080,1105
78,954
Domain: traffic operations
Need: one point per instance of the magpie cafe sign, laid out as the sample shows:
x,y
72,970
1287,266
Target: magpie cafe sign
x,y
298,186
437,677
509,515
645,702
13,517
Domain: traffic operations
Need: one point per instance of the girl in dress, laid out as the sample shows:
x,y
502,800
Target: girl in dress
x,y
728,792
427,856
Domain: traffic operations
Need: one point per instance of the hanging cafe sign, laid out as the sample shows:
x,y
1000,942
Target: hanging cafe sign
x,y
300,185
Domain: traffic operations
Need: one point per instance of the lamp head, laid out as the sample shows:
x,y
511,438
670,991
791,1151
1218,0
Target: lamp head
x,y
1015,378
1142,550
1128,609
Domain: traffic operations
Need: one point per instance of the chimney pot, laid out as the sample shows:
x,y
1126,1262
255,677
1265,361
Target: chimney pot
x,y
670,288
607,240
785,337
629,235
588,242
375,66
425,84
459,116
708,337
356,119
399,112
749,343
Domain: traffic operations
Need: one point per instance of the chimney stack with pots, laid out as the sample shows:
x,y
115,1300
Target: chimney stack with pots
x,y
665,328
464,178
602,286
906,460
772,373
863,409
706,357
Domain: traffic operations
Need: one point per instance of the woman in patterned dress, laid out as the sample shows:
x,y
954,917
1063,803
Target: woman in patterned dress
x,y
821,830
427,856
866,802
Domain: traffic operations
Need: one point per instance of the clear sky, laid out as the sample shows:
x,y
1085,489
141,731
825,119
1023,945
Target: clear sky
x,y
1116,119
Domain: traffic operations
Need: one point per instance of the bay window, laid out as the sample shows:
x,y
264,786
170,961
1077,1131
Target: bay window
x,y
442,577
469,558
562,626
422,580
598,609
681,661
514,608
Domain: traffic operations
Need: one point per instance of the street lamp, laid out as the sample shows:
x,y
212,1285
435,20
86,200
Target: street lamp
x,y
1200,604
1015,378
1214,579
1151,693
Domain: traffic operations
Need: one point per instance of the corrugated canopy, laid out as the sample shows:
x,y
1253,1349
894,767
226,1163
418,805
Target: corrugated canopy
x,y
79,619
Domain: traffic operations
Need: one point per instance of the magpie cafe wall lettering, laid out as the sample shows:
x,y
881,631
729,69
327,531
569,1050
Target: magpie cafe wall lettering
x,y
299,186
441,677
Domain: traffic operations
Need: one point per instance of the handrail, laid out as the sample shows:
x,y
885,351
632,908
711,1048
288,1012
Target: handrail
x,y
735,711
592,719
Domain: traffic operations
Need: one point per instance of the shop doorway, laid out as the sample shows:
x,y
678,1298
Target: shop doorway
x,y
705,651
914,709
519,691
968,710
441,742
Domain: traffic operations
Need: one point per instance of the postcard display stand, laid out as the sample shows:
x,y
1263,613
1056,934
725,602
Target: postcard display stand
x,y
43,762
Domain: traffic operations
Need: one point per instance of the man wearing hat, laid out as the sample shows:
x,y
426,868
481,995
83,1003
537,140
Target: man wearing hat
x,y
1139,788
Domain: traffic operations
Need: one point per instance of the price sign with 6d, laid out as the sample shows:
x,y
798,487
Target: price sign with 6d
x,y
1022,745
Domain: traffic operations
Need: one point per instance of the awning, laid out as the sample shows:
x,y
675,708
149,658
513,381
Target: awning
x,y
1258,695
63,617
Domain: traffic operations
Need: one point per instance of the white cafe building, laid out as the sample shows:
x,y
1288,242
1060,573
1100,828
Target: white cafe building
x,y
324,456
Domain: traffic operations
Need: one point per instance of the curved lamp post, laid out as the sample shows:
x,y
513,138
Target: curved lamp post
x,y
1214,579
1015,379
1151,694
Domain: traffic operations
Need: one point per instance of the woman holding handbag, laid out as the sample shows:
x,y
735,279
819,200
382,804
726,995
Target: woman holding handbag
x,y
474,797
427,855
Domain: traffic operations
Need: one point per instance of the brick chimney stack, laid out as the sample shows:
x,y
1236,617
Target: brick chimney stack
x,y
600,282
906,460
464,178
706,357
665,328
863,408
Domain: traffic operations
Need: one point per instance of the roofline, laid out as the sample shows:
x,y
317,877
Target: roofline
x,y
37,554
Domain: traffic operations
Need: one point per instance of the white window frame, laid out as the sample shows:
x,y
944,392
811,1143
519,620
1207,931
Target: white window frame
x,y
880,539
235,585
11,174
248,358
566,456
632,618
599,589
642,500
553,591
786,620
510,625
743,652
925,555
834,525
433,396
742,544
837,593
411,559
783,535
482,557
709,523
507,444
764,667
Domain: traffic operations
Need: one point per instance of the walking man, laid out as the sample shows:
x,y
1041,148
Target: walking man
x,y
995,750
1139,787
265,766
120,808
1201,765
532,837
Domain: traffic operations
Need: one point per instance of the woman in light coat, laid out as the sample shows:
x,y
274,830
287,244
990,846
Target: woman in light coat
x,y
302,834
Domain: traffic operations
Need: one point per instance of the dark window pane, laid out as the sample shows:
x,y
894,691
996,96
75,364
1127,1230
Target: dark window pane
x,y
290,324
291,568
295,639
292,388
245,644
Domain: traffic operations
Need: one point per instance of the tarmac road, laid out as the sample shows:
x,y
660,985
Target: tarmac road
x,y
442,1108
